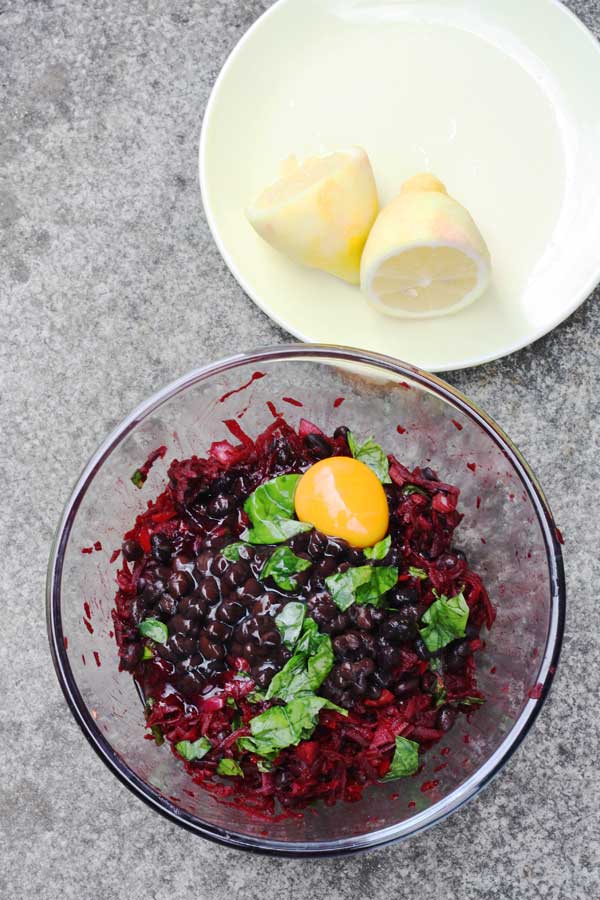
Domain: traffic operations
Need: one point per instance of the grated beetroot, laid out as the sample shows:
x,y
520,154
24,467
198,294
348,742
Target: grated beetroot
x,y
344,754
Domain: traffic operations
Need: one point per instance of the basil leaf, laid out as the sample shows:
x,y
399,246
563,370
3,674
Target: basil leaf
x,y
409,489
372,456
147,653
229,767
270,509
380,550
445,620
308,667
256,696
138,478
421,574
362,585
263,765
285,726
289,623
405,761
230,701
155,630
232,551
281,565
470,701
157,735
193,749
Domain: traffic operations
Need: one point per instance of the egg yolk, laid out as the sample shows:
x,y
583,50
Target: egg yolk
x,y
343,497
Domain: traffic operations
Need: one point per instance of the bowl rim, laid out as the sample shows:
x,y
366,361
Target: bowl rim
x,y
390,834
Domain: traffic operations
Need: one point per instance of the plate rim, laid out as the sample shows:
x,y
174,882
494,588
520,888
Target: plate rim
x,y
579,297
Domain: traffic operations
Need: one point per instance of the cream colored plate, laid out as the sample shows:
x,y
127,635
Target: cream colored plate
x,y
500,98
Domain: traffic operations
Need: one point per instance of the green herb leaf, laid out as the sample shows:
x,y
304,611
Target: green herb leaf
x,y
232,551
380,550
157,735
405,761
362,585
263,765
289,623
283,564
193,749
229,767
138,478
155,630
445,620
308,667
270,509
230,701
372,456
409,489
421,574
285,726
256,696
470,701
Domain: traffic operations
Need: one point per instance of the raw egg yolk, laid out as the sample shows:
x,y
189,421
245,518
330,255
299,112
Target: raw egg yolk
x,y
343,497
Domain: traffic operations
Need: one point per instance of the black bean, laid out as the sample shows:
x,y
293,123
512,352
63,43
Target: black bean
x,y
213,667
429,683
179,624
456,654
204,562
180,584
362,616
472,631
408,683
325,568
299,542
365,665
245,630
347,643
237,574
421,649
241,486
359,685
408,614
210,649
339,623
195,608
355,556
250,590
191,683
336,548
162,548
130,654
183,645
132,550
220,506
209,590
282,451
220,566
318,445
316,545
401,596
373,691
167,605
248,650
230,611
428,474
382,678
445,719
368,643
341,432
396,631
263,674
218,631
388,656
345,672
167,651
459,554
391,497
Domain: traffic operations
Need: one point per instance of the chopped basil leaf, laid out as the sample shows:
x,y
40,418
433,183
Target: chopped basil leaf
x,y
470,701
229,767
405,761
421,574
283,564
232,551
380,550
409,489
230,701
362,585
193,749
155,630
372,456
147,654
236,722
138,478
263,765
308,667
255,697
157,735
270,509
445,620
285,726
289,623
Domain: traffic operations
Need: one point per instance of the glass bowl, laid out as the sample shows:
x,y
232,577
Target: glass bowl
x,y
508,532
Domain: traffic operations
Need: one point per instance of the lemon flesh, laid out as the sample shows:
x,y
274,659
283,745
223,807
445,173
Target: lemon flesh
x,y
320,212
425,256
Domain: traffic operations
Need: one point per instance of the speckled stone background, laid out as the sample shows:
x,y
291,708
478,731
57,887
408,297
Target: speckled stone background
x,y
111,286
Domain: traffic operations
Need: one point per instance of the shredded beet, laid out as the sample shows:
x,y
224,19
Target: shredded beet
x,y
222,646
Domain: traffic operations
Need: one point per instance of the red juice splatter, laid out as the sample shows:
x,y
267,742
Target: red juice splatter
x,y
400,429
395,796
87,549
457,424
97,658
111,634
440,767
189,793
83,660
291,401
483,540
535,652
97,546
536,692
559,535
338,402
466,739
255,377
493,670
273,410
237,431
429,785
411,804
88,625
472,467
405,385
478,502
66,642
445,751
114,556
86,609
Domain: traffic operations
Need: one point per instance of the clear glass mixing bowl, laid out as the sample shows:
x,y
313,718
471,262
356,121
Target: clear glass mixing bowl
x,y
508,533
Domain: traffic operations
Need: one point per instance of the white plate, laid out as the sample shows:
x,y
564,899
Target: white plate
x,y
500,98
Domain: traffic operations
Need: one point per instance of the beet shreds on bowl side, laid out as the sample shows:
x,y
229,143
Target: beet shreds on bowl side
x,y
271,691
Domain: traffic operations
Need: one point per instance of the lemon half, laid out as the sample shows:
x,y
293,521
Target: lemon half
x,y
425,256
319,212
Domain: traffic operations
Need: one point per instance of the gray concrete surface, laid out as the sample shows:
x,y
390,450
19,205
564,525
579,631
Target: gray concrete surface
x,y
111,286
